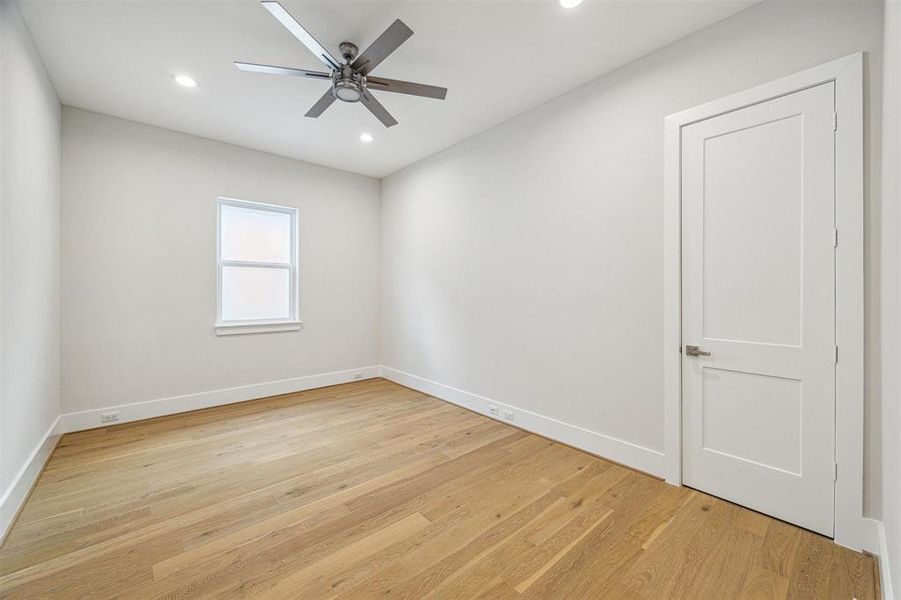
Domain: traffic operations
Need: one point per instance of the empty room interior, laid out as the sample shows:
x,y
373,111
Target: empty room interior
x,y
469,299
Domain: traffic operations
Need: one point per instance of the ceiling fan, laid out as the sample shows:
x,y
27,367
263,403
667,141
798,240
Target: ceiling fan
x,y
350,80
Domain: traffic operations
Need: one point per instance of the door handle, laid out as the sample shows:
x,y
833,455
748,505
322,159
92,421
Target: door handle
x,y
695,351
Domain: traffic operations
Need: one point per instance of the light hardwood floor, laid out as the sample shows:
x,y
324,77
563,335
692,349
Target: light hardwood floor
x,y
372,490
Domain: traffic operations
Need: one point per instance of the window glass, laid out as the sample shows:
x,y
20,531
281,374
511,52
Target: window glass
x,y
255,293
255,235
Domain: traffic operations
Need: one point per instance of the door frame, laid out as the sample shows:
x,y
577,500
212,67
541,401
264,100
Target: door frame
x,y
852,529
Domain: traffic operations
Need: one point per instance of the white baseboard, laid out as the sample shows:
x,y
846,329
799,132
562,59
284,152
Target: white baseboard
x,y
885,572
867,534
14,496
626,453
136,411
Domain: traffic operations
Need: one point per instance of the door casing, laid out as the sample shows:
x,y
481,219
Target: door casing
x,y
852,529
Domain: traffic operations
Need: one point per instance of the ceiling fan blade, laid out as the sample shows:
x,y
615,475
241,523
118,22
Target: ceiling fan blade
x,y
380,112
324,102
291,24
388,42
406,87
254,68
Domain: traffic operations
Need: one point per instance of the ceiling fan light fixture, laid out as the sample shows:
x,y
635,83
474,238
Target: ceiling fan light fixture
x,y
570,3
366,137
348,90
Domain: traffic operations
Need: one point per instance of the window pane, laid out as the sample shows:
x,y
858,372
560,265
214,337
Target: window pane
x,y
255,293
255,235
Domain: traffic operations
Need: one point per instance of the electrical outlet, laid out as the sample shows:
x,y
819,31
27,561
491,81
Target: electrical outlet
x,y
358,376
110,417
508,415
493,411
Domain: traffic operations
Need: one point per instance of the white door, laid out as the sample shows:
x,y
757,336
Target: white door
x,y
758,294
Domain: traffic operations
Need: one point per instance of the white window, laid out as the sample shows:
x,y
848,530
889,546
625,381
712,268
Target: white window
x,y
257,261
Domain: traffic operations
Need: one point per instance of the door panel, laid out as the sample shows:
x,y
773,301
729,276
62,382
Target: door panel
x,y
753,200
758,294
752,400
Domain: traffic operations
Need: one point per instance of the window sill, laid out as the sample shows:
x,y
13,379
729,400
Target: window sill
x,y
245,328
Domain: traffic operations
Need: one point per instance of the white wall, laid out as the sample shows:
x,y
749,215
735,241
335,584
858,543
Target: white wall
x,y
139,265
525,264
891,357
29,256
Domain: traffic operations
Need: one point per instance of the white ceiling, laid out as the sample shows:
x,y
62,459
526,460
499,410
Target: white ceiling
x,y
497,59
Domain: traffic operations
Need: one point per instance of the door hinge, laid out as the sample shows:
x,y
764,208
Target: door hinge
x,y
834,471
835,355
834,121
835,238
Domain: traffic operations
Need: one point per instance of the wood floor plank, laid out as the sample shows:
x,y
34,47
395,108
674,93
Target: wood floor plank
x,y
371,489
585,570
810,577
728,567
761,584
663,556
527,583
779,550
852,576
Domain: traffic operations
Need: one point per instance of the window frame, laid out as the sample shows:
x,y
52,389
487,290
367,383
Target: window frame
x,y
241,326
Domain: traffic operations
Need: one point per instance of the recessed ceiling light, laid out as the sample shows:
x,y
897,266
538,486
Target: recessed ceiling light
x,y
570,3
365,137
185,81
